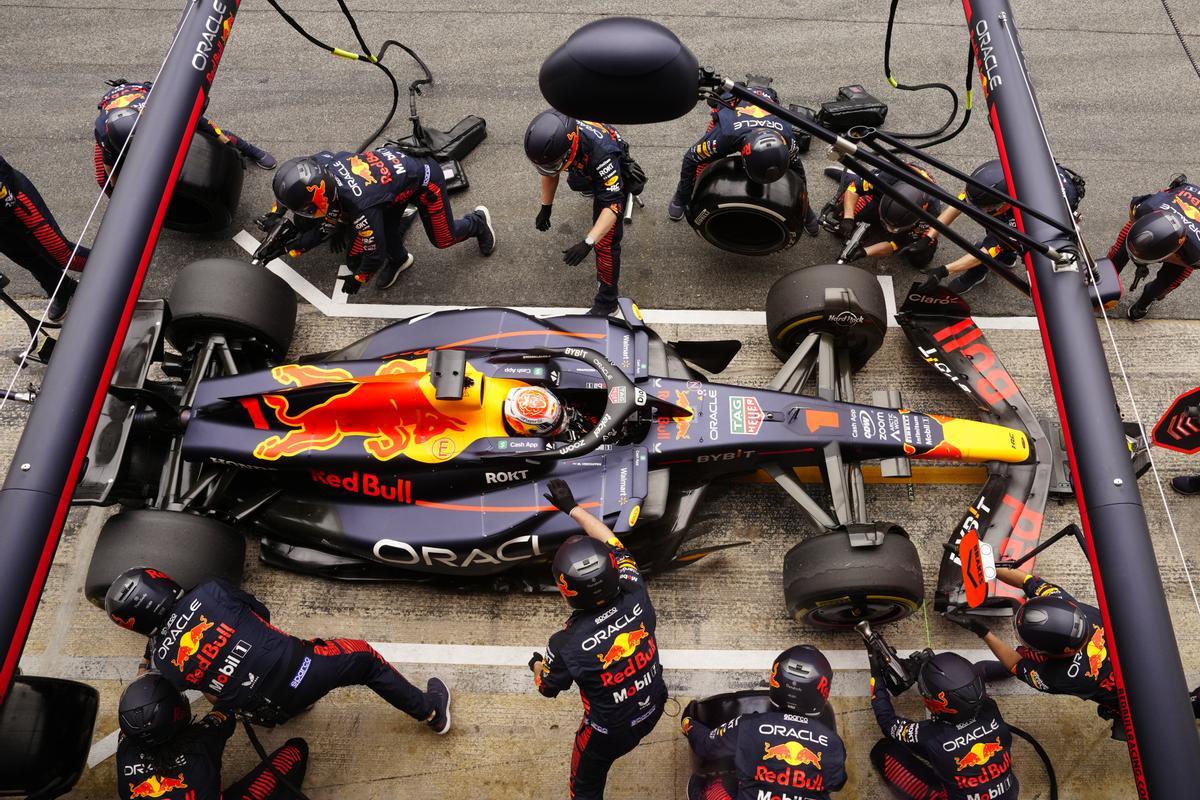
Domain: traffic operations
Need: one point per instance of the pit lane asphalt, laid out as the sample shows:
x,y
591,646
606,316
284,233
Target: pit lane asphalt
x,y
1118,101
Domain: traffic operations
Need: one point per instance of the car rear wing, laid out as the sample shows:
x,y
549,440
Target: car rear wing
x,y
1007,513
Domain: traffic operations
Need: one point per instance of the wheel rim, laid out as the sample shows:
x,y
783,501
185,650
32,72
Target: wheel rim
x,y
846,612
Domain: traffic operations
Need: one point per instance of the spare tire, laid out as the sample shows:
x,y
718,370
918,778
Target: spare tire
x,y
845,301
829,584
736,214
237,300
189,548
208,190
46,729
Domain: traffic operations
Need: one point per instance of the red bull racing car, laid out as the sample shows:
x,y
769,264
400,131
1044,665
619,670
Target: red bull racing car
x,y
393,456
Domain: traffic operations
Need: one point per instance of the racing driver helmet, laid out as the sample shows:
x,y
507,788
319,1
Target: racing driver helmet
x,y
533,411
152,711
951,687
303,186
118,126
800,679
551,142
585,571
897,217
1051,624
141,598
765,157
1154,237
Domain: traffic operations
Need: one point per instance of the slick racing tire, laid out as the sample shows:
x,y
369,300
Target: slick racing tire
x,y
189,548
829,584
45,734
736,214
208,190
797,306
232,298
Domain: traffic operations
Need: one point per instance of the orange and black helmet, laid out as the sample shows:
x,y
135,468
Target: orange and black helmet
x,y
304,187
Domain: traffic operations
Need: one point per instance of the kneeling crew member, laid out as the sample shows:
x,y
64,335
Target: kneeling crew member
x,y
764,141
607,647
964,751
217,639
163,754
894,227
1163,228
778,751
119,109
592,154
368,192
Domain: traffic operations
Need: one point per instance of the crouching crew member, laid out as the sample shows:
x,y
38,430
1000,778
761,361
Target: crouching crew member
x,y
607,648
894,226
963,751
368,193
163,754
763,140
219,640
788,752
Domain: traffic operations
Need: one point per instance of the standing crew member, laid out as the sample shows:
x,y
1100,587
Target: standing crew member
x,y
790,747
763,140
163,754
30,236
968,270
593,156
217,639
120,108
894,227
963,752
607,647
1163,228
368,192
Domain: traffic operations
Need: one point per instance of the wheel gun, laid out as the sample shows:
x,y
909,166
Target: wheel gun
x,y
897,673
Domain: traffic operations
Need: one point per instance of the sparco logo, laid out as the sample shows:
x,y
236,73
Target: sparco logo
x,y
846,319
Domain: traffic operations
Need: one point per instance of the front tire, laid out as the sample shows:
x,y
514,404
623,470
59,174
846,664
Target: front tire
x,y
845,301
237,300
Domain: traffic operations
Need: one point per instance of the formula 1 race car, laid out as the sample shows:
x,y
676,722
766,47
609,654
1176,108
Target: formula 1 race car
x,y
392,458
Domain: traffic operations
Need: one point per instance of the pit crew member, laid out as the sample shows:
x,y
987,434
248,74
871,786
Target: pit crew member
x,y
894,227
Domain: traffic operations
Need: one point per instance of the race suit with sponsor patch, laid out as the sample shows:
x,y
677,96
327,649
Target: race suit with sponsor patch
x,y
941,759
776,755
1184,202
596,171
189,767
866,209
373,189
612,655
30,235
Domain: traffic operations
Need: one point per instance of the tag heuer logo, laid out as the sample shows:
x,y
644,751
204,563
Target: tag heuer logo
x,y
745,415
846,319
616,394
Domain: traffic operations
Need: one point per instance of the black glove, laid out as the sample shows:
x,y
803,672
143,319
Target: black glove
x,y
267,222
340,239
576,253
351,284
967,623
534,659
560,495
919,248
270,250
933,277
542,223
846,227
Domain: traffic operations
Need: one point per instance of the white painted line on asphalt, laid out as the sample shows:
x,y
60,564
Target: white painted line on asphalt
x,y
338,307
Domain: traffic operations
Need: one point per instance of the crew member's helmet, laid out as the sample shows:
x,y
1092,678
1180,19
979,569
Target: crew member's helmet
x,y
152,711
1052,624
800,680
991,174
118,126
1154,237
585,571
950,687
141,598
765,156
304,187
895,216
551,142
533,411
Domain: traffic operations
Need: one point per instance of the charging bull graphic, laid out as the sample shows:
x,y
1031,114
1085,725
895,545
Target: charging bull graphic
x,y
320,200
1097,652
792,753
155,786
979,754
362,170
625,645
189,642
939,704
390,410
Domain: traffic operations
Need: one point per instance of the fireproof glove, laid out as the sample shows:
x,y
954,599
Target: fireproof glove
x,y
933,277
267,222
968,623
856,252
576,253
542,223
846,227
560,495
271,250
535,660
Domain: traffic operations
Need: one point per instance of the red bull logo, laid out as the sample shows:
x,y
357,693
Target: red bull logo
x,y
979,754
751,111
791,753
1190,211
189,643
319,200
1097,652
624,646
939,704
155,786
362,170
773,681
389,412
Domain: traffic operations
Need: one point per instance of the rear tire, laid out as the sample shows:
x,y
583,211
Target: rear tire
x,y
45,733
209,188
796,307
232,298
829,584
740,216
189,548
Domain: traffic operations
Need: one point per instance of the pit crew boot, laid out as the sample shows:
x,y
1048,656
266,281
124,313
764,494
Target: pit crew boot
x,y
391,271
1140,308
487,236
61,300
261,158
1186,484
674,210
968,280
439,696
